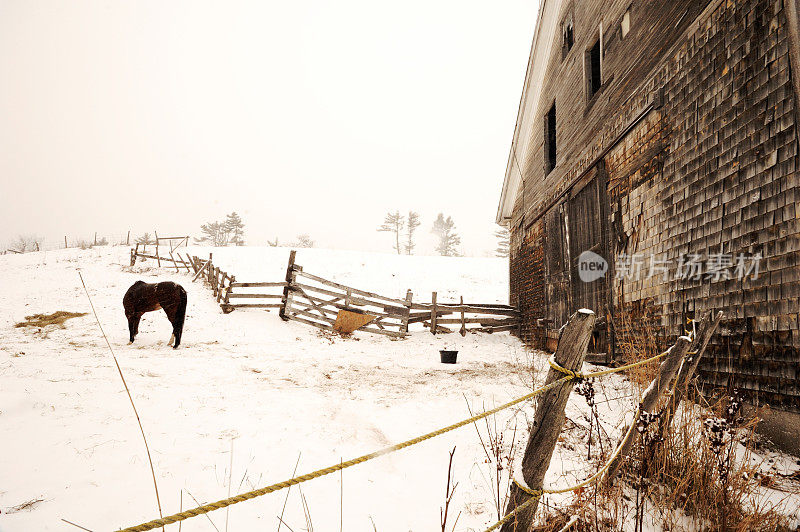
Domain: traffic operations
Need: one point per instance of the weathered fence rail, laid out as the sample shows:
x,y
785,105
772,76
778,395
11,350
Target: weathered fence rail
x,y
313,300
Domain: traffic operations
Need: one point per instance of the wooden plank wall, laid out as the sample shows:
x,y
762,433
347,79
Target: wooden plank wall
x,y
696,125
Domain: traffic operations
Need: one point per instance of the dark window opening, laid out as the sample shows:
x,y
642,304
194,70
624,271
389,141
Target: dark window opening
x,y
550,140
568,37
593,69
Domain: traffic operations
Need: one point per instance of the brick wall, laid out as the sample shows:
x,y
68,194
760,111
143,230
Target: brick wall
x,y
526,264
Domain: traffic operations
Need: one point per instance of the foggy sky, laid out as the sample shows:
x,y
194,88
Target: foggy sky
x,y
305,117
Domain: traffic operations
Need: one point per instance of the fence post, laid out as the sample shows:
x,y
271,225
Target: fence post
x,y
174,262
128,238
433,313
549,417
706,330
222,277
463,330
226,307
407,315
287,288
666,371
65,241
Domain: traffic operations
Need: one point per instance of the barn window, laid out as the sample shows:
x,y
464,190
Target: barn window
x,y
550,140
593,68
625,25
568,36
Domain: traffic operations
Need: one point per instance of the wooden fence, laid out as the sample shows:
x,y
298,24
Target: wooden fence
x,y
313,300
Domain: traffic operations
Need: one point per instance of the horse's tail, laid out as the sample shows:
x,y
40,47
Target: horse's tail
x,y
180,315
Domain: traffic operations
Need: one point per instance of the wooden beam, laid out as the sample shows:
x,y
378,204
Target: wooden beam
x,y
345,288
258,285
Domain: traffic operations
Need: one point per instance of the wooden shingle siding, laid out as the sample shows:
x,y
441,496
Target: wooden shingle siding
x,y
694,129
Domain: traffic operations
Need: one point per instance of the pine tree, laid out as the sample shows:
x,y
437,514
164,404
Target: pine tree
x,y
412,224
503,237
444,229
235,229
394,223
146,239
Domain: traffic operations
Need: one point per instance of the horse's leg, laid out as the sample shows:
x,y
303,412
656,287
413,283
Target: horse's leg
x,y
133,326
172,312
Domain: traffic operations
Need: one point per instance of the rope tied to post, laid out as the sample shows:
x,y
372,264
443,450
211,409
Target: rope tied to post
x,y
568,376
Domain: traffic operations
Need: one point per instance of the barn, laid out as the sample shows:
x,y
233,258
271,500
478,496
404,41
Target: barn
x,y
653,177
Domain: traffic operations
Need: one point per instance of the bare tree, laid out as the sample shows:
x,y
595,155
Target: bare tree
x,y
26,244
304,241
411,226
444,229
394,223
503,238
214,233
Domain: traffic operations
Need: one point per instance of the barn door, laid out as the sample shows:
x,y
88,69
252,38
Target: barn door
x,y
557,267
586,219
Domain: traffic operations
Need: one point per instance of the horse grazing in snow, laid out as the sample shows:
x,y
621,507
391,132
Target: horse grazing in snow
x,y
142,297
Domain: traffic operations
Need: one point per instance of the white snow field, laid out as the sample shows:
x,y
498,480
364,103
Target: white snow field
x,y
250,390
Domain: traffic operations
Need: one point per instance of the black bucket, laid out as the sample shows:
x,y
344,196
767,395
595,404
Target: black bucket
x,y
448,357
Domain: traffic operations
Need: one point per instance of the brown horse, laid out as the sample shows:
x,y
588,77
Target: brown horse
x,y
142,297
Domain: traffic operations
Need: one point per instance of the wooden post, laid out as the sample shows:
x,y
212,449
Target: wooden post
x,y
287,288
65,241
407,315
666,371
705,331
549,417
433,313
174,262
200,271
128,238
226,307
95,238
221,286
463,330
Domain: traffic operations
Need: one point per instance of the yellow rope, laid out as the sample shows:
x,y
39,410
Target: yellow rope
x,y
536,493
578,375
506,518
205,508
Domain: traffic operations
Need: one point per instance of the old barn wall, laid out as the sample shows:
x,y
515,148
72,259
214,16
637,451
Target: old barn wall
x,y
695,130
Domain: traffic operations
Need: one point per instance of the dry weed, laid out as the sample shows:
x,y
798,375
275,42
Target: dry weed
x,y
43,320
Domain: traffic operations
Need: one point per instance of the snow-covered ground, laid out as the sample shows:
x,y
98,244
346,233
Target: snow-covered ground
x,y
251,390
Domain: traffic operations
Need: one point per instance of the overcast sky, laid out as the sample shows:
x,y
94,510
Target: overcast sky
x,y
304,116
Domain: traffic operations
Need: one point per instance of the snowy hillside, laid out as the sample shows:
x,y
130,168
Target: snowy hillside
x,y
249,390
